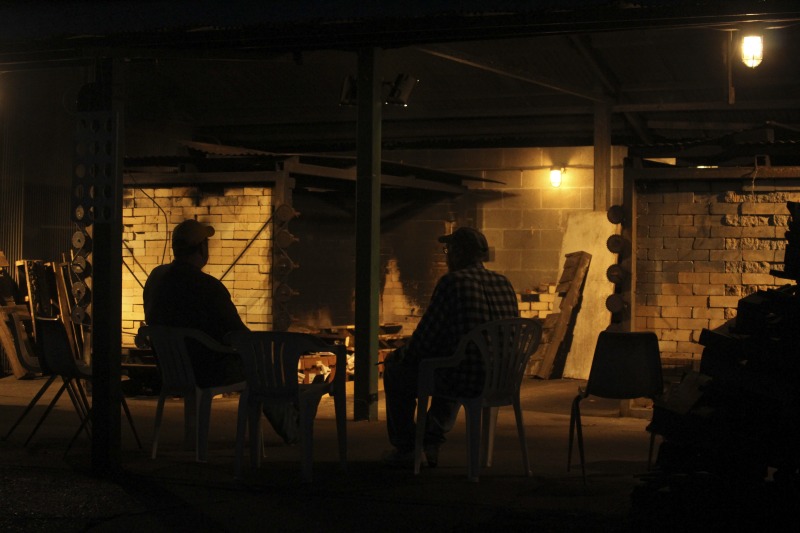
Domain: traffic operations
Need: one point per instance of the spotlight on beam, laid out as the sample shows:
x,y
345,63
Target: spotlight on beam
x,y
348,96
400,90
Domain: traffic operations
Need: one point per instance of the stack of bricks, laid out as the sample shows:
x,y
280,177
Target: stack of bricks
x,y
701,247
238,215
538,303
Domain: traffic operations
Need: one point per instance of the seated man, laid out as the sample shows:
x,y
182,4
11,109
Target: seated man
x,y
467,296
180,294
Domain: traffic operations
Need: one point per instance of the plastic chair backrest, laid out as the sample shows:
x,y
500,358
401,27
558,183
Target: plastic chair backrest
x,y
172,355
26,350
626,365
270,359
56,351
505,346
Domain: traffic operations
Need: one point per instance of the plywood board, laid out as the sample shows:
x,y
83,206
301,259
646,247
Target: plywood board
x,y
588,232
570,288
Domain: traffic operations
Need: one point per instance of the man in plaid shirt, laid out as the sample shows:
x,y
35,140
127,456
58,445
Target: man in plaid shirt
x,y
464,298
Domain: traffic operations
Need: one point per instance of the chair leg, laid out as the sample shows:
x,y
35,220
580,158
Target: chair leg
x,y
203,425
157,427
84,425
340,409
473,416
81,403
650,452
422,414
81,397
579,428
523,439
241,428
307,411
256,439
46,412
31,405
489,423
571,435
190,409
130,421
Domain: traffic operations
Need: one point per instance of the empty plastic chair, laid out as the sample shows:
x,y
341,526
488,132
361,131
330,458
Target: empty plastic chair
x,y
626,365
270,360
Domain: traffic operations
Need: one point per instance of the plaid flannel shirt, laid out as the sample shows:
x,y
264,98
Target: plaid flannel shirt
x,y
461,301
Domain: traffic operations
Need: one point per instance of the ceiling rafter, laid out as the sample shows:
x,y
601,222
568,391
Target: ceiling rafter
x,y
464,59
608,80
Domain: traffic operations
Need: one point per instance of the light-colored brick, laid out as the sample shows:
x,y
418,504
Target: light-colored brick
x,y
723,301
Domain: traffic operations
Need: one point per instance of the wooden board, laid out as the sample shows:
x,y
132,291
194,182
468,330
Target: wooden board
x,y
550,358
589,232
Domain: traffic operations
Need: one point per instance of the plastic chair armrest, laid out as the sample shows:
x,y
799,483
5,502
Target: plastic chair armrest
x,y
209,342
428,367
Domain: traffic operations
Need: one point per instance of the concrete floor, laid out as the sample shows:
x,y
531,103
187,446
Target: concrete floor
x,y
43,490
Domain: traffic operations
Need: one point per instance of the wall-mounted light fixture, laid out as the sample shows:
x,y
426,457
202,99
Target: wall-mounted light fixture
x,y
399,90
555,176
752,49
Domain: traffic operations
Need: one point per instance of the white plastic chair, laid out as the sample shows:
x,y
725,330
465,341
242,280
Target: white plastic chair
x,y
177,379
505,346
626,365
270,360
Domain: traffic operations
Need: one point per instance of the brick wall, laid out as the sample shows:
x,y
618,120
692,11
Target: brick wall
x,y
702,246
524,217
237,214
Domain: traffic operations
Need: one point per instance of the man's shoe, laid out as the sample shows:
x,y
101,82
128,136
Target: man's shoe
x,y
397,459
432,456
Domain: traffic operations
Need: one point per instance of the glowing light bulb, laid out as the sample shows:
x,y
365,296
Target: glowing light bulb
x,y
555,176
752,50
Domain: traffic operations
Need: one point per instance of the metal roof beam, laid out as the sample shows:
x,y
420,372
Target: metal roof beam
x,y
609,81
295,167
520,76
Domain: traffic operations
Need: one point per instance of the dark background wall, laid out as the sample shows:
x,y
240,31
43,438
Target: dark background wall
x,y
37,117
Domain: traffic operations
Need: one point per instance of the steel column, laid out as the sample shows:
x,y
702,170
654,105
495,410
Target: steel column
x,y
368,210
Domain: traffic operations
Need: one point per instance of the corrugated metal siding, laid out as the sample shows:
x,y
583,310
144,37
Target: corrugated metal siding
x,y
11,203
47,222
11,207
34,217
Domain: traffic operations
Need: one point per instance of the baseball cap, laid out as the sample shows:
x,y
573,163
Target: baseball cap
x,y
468,240
190,233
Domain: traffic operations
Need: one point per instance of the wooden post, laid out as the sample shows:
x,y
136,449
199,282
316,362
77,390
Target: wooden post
x,y
602,156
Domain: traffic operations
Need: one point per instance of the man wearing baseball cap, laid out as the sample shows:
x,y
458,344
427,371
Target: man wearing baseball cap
x,y
180,294
464,298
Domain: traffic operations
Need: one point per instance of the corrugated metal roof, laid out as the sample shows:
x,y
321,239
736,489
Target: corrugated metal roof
x,y
267,76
